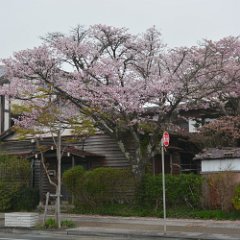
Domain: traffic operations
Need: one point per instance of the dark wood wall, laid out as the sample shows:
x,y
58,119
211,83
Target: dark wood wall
x,y
99,145
107,147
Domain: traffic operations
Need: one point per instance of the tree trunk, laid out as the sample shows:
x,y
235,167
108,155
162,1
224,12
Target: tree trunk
x,y
139,164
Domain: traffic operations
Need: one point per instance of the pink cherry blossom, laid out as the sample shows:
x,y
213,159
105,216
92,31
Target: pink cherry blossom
x,y
115,78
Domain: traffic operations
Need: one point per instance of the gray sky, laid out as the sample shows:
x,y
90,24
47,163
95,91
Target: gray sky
x,y
181,22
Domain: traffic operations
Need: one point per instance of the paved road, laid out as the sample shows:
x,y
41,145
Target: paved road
x,y
49,236
52,237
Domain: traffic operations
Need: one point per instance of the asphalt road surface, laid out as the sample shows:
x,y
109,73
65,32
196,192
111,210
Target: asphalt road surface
x,y
33,236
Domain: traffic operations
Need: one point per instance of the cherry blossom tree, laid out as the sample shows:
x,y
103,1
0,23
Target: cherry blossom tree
x,y
224,131
129,85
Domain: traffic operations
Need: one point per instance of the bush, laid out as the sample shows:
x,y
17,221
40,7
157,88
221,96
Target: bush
x,y
189,190
67,224
150,192
100,186
73,178
184,189
219,190
107,186
236,198
26,199
50,223
14,170
14,175
6,194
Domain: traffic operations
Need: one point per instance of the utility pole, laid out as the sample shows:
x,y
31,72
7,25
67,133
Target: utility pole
x,y
163,189
58,190
164,143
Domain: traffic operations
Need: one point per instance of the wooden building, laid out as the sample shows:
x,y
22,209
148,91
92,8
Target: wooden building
x,y
95,151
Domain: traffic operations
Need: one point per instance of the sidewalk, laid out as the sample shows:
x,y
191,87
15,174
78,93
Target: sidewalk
x,y
153,227
137,227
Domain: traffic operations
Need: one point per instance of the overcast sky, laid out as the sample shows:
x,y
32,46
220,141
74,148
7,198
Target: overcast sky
x,y
181,22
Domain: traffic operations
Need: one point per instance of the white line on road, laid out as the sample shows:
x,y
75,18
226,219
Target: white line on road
x,y
13,239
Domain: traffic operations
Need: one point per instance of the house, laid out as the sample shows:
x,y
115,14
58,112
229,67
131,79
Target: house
x,y
96,151
221,169
200,116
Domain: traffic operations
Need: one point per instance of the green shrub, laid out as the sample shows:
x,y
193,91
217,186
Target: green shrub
x,y
14,170
67,224
189,190
6,194
236,198
73,178
14,175
50,223
150,191
183,189
26,199
99,186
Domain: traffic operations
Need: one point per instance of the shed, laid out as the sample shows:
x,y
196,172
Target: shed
x,y
215,160
220,168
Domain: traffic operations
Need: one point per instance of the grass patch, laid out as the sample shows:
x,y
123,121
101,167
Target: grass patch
x,y
67,224
50,223
181,212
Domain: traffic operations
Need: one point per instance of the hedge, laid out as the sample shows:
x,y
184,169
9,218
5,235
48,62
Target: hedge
x,y
100,186
15,192
183,189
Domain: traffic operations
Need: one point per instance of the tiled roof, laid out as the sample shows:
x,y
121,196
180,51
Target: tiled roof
x,y
218,153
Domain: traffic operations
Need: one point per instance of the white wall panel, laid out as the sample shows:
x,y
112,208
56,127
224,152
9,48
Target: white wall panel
x,y
220,165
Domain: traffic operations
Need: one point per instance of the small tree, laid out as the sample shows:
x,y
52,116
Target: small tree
x,y
45,114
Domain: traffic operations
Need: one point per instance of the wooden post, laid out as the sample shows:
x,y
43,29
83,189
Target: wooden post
x,y
46,207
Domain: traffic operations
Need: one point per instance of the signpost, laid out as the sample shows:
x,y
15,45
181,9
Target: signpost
x,y
164,143
166,139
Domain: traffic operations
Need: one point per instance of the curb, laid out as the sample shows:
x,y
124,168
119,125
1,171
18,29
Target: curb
x,y
126,233
97,232
31,230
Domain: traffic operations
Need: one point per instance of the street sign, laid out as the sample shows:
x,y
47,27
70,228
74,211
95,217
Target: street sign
x,y
164,143
165,139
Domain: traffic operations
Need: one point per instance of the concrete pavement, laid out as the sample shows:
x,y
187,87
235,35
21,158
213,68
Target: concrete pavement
x,y
143,227
153,227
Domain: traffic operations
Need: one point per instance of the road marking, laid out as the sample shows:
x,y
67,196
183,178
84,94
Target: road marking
x,y
13,239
